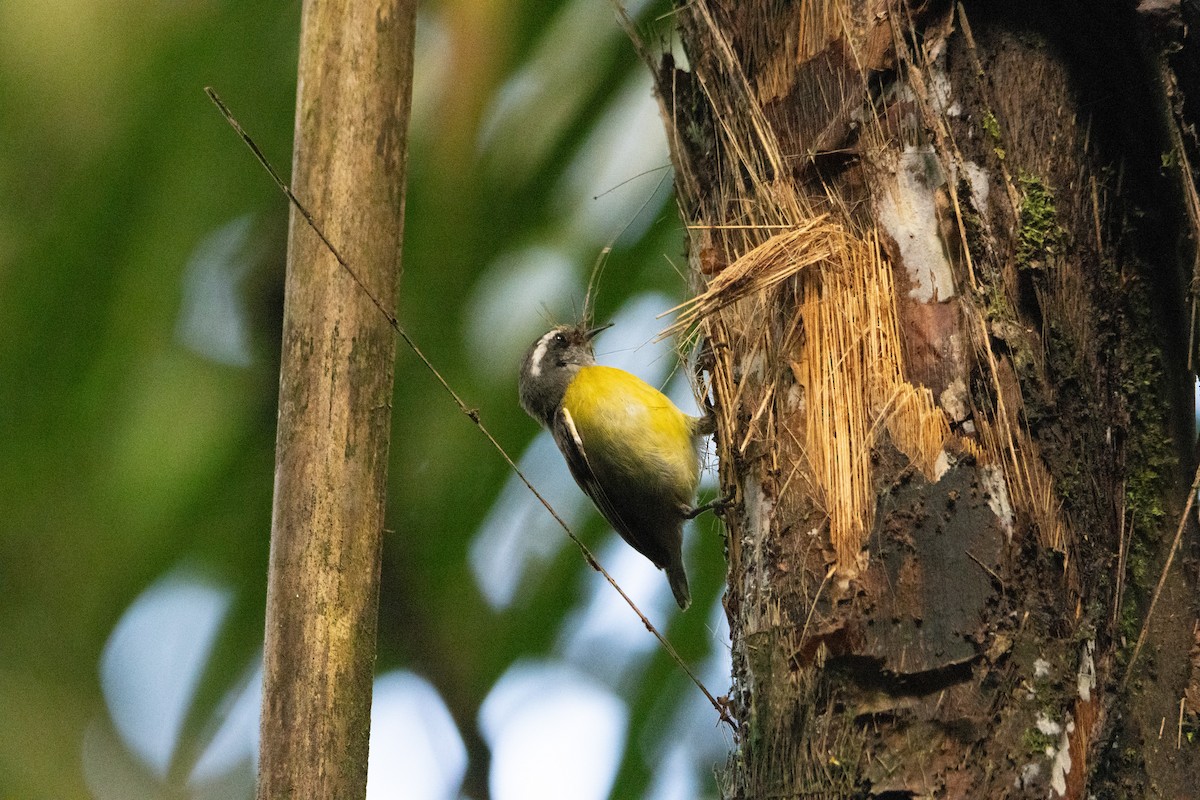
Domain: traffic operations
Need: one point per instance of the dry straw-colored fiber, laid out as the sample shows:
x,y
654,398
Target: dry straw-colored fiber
x,y
848,364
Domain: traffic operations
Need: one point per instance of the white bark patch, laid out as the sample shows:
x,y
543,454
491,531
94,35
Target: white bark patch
x,y
941,465
980,182
1060,765
938,88
754,366
1086,677
759,509
940,91
997,494
1047,726
954,400
907,210
795,398
1029,774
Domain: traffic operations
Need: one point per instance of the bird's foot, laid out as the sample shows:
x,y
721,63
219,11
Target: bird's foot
x,y
717,506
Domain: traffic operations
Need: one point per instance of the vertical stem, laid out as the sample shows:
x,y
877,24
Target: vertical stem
x,y
352,108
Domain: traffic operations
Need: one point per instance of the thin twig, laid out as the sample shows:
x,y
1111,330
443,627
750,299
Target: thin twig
x,y
1179,730
1162,579
471,413
986,568
808,617
738,227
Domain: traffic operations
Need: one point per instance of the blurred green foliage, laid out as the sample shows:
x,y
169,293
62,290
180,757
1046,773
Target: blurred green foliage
x,y
126,452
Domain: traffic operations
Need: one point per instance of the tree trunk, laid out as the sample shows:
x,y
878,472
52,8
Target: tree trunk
x,y
355,80
941,253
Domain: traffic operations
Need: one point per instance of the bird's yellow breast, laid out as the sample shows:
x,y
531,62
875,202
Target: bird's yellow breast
x,y
634,428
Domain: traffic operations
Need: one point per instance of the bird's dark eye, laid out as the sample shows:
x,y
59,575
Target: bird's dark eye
x,y
559,339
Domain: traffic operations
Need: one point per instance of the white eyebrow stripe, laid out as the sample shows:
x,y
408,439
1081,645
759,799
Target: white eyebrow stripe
x,y
539,352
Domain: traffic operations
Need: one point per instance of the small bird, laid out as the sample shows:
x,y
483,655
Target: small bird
x,y
628,447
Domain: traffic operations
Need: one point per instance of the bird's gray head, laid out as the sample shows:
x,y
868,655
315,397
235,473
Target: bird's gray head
x,y
550,364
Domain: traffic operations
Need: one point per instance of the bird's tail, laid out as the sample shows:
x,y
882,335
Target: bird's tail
x,y
679,584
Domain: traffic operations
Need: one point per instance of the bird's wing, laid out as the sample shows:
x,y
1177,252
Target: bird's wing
x,y
567,437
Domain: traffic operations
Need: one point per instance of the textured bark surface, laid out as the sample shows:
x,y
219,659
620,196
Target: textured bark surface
x,y
942,253
355,79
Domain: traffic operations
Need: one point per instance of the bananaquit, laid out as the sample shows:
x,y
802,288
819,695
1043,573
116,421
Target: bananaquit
x,y
628,447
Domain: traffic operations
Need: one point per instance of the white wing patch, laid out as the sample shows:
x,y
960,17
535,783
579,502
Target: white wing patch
x,y
572,429
539,353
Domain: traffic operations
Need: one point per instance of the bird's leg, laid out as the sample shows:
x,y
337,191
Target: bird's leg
x,y
717,506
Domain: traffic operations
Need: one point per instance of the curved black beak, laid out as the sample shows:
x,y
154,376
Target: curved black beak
x,y
594,332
